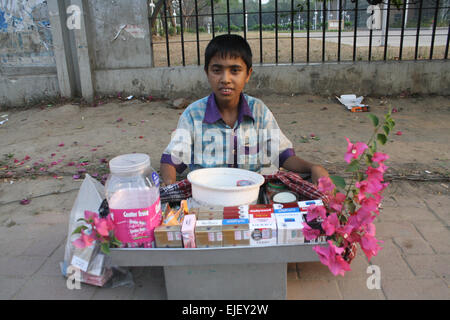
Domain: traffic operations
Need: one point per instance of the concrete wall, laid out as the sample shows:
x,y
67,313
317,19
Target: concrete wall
x,y
111,51
361,78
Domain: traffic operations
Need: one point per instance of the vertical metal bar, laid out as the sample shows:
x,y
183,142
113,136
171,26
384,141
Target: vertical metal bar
x,y
228,15
260,33
276,31
355,30
182,35
434,29
403,30
324,17
370,44
387,30
245,23
212,19
419,20
292,31
307,30
446,47
167,34
340,30
196,30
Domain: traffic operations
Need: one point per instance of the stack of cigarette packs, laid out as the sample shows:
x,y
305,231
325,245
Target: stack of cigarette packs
x,y
247,225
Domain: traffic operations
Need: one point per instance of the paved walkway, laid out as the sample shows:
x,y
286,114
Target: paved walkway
x,y
413,264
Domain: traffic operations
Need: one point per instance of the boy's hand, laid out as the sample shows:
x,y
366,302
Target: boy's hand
x,y
318,171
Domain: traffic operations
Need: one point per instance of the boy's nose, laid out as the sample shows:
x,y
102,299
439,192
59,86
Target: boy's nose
x,y
225,77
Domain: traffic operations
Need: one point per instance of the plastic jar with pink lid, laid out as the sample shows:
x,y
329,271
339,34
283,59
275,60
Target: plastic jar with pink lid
x,y
132,192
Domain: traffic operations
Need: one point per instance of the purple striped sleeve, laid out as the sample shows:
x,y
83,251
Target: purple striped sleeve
x,y
167,158
285,155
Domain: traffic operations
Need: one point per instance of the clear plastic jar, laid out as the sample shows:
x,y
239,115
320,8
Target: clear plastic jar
x,y
132,192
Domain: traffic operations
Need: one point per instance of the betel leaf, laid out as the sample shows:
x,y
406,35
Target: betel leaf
x,y
374,119
382,138
105,248
353,166
338,181
78,230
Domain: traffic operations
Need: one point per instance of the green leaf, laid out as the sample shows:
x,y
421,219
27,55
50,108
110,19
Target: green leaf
x,y
353,166
105,248
374,119
390,123
373,147
338,181
82,219
78,230
382,138
386,129
368,159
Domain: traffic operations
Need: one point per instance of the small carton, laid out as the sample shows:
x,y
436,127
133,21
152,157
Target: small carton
x,y
257,209
303,205
168,237
235,232
281,208
263,228
208,233
188,230
290,228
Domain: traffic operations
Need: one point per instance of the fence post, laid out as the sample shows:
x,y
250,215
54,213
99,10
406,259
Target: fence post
x,y
61,48
84,52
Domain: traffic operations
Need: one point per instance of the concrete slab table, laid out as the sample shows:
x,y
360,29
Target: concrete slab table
x,y
220,273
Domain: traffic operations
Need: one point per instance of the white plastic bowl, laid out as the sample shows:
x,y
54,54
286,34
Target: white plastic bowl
x,y
217,186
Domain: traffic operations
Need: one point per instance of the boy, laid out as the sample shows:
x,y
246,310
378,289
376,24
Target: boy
x,y
229,128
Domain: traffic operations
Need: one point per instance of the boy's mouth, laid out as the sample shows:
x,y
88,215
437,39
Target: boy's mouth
x,y
225,91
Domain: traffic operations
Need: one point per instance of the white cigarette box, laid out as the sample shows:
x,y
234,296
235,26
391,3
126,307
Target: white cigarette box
x,y
290,228
263,229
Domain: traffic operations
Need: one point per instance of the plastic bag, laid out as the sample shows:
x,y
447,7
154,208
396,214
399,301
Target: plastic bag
x,y
94,266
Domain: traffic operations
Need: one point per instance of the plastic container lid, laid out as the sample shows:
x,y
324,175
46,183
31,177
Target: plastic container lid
x,y
129,163
285,197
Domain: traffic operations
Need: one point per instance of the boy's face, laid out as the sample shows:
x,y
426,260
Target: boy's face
x,y
227,77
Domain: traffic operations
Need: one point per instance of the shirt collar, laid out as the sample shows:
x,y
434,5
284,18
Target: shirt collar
x,y
212,113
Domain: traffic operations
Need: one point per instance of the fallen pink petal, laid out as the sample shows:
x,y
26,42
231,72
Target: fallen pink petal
x,y
61,145
71,164
94,149
76,176
25,201
398,133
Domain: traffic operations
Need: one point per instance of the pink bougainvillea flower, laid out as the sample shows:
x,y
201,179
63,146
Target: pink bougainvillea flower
x,y
101,225
372,186
369,244
119,119
330,224
54,163
71,164
331,256
52,155
43,169
336,202
314,212
26,158
90,215
310,233
364,216
398,133
379,157
394,110
103,160
94,149
76,176
61,145
354,150
16,161
83,241
326,185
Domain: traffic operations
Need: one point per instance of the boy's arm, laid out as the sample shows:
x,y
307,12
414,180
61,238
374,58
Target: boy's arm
x,y
168,173
296,164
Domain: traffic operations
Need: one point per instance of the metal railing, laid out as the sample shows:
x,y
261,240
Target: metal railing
x,y
299,31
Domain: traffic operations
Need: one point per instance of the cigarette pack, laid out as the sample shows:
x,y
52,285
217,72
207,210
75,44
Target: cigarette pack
x,y
263,228
235,232
290,228
281,208
188,231
208,233
303,205
168,237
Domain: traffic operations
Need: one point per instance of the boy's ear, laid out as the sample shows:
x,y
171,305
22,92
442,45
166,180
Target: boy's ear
x,y
249,73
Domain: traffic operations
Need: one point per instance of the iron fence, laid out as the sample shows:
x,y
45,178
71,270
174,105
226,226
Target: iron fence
x,y
298,31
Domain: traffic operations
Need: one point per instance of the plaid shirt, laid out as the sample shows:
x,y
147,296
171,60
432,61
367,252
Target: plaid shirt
x,y
202,139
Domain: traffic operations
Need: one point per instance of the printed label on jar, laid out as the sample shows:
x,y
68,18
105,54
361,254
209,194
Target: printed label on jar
x,y
155,179
137,225
170,236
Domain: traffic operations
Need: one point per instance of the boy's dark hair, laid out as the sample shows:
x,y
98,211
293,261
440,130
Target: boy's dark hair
x,y
229,45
